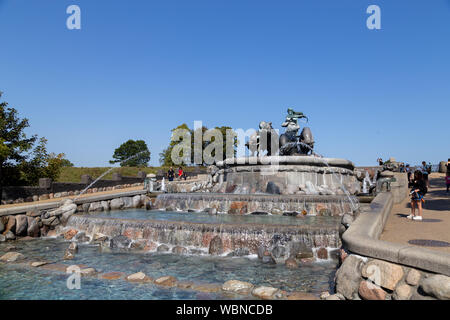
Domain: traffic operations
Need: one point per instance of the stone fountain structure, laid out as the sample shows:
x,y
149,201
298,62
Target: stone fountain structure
x,y
291,173
291,179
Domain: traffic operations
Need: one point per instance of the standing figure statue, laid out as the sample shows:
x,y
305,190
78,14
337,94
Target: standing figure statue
x,y
290,142
262,139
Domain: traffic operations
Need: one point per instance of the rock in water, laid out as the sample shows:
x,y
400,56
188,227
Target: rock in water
x,y
82,237
237,286
167,281
139,276
179,250
12,257
120,242
73,248
264,292
291,263
162,248
268,258
216,246
10,235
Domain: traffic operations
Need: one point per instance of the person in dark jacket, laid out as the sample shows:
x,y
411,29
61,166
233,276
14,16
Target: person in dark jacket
x,y
419,189
171,174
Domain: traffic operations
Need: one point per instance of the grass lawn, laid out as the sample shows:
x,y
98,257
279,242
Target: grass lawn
x,y
73,174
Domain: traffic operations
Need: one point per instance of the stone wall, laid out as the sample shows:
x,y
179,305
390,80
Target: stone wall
x,y
36,222
20,194
374,279
372,269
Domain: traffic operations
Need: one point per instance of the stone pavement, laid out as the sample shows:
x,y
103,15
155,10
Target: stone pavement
x,y
436,218
86,195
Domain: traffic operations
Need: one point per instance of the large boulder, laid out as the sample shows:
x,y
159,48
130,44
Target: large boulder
x,y
369,291
216,246
21,225
95,207
403,292
127,202
437,286
137,202
382,273
67,207
105,205
9,235
10,224
33,227
348,277
116,204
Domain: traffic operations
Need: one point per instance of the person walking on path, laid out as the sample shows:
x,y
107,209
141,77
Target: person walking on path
x,y
418,190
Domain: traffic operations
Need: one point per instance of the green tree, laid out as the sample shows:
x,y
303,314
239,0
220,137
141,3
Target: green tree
x,y
166,155
132,154
14,143
66,163
42,164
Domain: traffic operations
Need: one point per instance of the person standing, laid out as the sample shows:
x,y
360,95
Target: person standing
x,y
409,173
447,175
425,172
170,174
418,191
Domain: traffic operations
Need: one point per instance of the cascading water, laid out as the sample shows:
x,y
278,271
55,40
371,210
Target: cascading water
x,y
106,172
354,202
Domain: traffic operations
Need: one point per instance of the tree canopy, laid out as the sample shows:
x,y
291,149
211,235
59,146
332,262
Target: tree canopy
x,y
132,154
165,157
16,148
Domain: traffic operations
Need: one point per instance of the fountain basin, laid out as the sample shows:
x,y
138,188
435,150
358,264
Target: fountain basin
x,y
286,175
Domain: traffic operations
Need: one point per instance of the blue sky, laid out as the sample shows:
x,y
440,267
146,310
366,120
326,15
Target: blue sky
x,y
137,69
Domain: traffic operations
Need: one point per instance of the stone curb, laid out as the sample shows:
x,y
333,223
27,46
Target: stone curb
x,y
362,237
55,204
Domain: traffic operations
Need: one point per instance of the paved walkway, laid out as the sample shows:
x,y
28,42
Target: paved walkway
x,y
436,215
86,195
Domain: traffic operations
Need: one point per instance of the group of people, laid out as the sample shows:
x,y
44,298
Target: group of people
x,y
180,174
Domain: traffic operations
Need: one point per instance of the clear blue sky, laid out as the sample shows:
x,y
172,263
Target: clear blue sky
x,y
137,69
